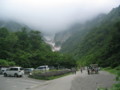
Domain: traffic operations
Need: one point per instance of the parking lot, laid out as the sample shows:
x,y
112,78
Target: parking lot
x,y
14,83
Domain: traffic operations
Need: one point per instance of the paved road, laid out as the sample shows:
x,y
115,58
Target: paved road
x,y
25,83
12,83
63,83
83,81
79,81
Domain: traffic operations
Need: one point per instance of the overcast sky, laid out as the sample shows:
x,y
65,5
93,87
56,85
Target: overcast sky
x,y
54,15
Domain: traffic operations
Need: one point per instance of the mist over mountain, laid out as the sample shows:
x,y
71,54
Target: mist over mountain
x,y
77,27
12,25
97,41
51,16
76,33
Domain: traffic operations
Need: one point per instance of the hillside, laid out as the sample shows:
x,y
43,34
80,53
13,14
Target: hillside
x,y
69,39
97,42
27,49
12,25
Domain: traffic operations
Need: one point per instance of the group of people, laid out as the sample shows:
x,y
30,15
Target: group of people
x,y
92,69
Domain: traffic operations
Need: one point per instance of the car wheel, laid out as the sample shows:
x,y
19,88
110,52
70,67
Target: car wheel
x,y
15,75
21,75
5,74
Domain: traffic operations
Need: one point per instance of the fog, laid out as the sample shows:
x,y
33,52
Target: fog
x,y
53,15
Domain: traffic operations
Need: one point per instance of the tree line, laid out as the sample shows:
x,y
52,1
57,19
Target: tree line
x,y
27,49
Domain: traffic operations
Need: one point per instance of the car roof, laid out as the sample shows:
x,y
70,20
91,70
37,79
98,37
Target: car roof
x,y
15,67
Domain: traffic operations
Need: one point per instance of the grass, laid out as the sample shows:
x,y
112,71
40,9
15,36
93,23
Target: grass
x,y
111,70
101,89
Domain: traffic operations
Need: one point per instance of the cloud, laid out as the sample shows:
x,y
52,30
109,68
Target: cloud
x,y
54,15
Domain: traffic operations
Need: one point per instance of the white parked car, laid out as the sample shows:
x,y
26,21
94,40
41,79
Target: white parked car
x,y
43,68
14,71
3,69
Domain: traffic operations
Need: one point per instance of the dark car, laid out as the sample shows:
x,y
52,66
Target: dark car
x,y
28,70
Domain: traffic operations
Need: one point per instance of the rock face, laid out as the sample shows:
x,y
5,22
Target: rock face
x,y
50,40
61,37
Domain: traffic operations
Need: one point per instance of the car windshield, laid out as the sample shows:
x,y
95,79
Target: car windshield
x,y
13,69
41,67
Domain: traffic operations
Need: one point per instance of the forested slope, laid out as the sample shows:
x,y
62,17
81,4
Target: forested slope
x,y
97,43
12,25
27,49
77,33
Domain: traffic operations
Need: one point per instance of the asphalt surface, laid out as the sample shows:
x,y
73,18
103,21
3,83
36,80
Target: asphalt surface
x,y
63,83
14,83
78,81
83,81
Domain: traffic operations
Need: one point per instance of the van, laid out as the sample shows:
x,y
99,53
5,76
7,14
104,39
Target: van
x,y
14,71
43,68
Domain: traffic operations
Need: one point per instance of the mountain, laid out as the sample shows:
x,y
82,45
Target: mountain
x,y
97,41
21,46
69,39
61,37
12,25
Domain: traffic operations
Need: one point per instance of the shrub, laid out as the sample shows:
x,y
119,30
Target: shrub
x,y
49,74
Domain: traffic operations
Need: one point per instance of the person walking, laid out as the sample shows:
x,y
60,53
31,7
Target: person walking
x,y
88,70
81,69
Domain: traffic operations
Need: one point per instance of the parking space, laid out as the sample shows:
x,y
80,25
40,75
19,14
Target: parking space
x,y
13,83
